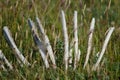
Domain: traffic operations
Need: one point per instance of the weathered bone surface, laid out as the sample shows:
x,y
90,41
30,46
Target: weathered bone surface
x,y
66,41
47,42
92,25
12,44
76,60
38,42
2,57
110,31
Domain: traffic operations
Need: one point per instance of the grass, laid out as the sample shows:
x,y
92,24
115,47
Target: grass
x,y
15,14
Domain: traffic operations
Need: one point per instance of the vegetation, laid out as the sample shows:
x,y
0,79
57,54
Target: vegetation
x,y
15,14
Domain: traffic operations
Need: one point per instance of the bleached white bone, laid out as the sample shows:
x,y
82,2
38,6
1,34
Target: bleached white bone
x,y
38,42
5,60
89,41
47,42
12,44
103,48
66,41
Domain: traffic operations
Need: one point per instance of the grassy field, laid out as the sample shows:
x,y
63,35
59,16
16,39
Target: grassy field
x,y
15,14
